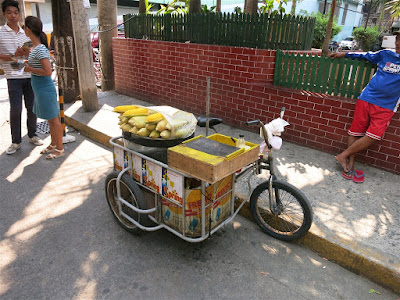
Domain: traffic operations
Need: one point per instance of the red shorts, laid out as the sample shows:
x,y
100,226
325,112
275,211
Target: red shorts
x,y
370,119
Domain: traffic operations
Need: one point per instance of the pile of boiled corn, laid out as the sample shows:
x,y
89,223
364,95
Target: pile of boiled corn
x,y
148,123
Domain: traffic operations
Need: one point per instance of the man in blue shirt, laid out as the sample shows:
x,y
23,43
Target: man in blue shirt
x,y
375,106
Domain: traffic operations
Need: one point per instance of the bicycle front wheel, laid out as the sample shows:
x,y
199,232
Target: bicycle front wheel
x,y
286,217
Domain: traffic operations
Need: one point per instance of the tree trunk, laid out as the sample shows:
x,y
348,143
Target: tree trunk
x,y
293,10
195,6
107,14
64,47
251,7
218,6
325,44
84,55
142,6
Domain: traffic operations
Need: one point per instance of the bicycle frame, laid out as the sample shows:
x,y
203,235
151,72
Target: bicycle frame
x,y
263,164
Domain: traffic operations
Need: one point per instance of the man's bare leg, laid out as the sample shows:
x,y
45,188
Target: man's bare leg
x,y
357,146
350,159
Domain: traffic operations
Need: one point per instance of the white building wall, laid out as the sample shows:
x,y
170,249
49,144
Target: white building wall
x,y
46,15
353,17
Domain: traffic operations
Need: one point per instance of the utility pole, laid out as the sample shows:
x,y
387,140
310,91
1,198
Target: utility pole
x,y
84,55
107,16
64,47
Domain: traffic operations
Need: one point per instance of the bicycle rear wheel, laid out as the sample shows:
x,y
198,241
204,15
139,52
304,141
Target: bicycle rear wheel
x,y
287,217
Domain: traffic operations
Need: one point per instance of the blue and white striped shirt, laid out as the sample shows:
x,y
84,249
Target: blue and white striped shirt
x,y
37,54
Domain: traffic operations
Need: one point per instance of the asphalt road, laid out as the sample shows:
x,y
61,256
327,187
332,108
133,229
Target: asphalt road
x,y
59,240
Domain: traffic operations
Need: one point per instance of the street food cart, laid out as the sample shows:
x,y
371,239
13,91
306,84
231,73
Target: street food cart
x,y
186,185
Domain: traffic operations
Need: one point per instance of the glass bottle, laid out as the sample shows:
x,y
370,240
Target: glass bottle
x,y
240,142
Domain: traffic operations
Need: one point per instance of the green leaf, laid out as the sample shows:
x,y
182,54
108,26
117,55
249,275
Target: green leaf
x,y
372,291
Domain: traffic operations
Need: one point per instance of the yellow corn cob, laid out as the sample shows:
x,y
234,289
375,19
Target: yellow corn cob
x,y
124,108
154,134
166,134
155,118
143,132
126,127
161,126
140,111
150,126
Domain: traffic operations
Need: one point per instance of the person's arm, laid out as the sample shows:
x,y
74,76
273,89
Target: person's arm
x,y
45,70
6,57
20,52
374,57
337,54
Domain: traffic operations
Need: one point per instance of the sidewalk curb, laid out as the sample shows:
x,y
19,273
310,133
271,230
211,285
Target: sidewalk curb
x,y
377,267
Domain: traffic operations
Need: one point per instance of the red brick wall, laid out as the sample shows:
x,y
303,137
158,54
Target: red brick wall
x,y
241,89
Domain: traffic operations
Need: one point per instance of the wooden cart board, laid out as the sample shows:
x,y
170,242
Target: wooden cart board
x,y
214,165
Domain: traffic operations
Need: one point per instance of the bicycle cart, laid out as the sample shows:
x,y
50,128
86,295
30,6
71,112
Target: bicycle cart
x,y
192,193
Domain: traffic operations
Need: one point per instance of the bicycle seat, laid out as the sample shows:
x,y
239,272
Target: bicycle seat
x,y
201,121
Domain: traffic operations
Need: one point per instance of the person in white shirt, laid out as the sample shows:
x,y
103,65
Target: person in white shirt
x,y
12,39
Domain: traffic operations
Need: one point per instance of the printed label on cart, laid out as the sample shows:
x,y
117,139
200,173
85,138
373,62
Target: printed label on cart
x,y
136,167
219,193
118,158
127,159
172,185
122,159
151,175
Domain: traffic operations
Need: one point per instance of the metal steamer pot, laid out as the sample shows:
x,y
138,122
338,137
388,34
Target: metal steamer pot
x,y
155,148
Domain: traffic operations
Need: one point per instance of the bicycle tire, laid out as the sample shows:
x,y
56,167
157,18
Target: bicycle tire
x,y
281,225
131,193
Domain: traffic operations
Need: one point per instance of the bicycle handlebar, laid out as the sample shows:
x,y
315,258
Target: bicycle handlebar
x,y
255,122
282,112
261,125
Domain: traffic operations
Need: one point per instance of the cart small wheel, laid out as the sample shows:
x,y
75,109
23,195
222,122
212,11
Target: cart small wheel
x,y
131,193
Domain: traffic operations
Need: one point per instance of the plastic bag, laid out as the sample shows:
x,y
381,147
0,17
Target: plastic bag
x,y
274,130
182,124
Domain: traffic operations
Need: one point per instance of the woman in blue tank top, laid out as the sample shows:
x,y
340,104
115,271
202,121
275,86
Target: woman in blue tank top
x,y
45,105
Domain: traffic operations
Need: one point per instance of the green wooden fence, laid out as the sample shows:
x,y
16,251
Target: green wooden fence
x,y
242,30
341,77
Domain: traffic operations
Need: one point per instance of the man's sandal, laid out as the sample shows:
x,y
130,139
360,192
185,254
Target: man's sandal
x,y
56,154
348,175
48,149
357,176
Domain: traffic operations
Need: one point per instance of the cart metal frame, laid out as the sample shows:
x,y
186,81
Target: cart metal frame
x,y
158,196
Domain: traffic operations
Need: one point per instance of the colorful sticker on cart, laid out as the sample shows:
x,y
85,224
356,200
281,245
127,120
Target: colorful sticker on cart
x,y
151,175
136,167
172,185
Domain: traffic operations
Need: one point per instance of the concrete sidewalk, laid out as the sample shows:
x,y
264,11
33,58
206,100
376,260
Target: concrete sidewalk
x,y
355,225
